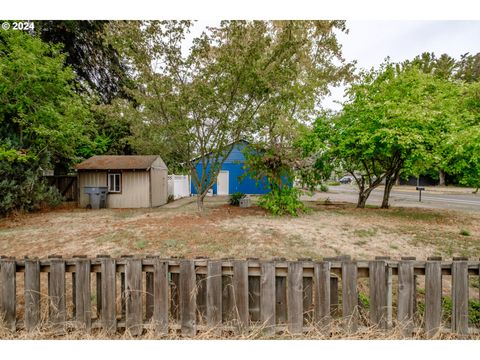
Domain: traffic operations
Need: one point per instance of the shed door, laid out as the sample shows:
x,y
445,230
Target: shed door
x,y
222,183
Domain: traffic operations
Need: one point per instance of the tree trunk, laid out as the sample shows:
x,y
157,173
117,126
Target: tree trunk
x,y
200,206
362,200
476,191
363,196
386,193
389,182
441,178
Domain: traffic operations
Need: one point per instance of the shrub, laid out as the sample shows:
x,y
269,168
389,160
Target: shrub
x,y
473,310
170,198
363,300
323,188
282,201
465,232
23,188
235,198
333,183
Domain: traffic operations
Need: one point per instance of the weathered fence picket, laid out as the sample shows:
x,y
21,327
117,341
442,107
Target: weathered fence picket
x,y
160,295
322,295
267,297
406,295
108,295
7,292
378,293
460,296
57,310
213,295
240,290
133,296
188,297
83,313
32,294
433,296
295,297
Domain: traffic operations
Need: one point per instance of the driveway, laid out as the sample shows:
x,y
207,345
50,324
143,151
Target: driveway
x,y
407,196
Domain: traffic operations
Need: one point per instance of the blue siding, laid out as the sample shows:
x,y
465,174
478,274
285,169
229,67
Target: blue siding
x,y
234,165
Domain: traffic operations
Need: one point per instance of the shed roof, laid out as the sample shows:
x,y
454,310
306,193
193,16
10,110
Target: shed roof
x,y
120,162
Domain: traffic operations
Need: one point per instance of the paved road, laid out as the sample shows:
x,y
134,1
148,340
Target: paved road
x,y
408,196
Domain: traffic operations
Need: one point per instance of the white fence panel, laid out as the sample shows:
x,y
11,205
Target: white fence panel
x,y
179,186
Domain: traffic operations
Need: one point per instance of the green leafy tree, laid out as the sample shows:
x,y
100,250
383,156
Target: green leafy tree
x,y
100,71
194,103
413,110
274,150
462,148
446,68
43,121
389,125
98,65
469,68
464,157
339,142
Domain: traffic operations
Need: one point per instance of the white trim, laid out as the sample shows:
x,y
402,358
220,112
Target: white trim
x,y
114,182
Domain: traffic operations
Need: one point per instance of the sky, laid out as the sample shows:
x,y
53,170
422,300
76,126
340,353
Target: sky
x,y
377,28
370,42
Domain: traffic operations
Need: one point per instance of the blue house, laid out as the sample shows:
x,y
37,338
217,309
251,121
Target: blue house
x,y
230,179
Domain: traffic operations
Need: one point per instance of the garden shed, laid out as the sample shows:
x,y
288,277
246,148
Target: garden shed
x,y
233,176
133,181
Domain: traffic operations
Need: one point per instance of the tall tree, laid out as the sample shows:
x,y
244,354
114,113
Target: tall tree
x,y
196,102
462,148
281,123
99,67
43,121
469,68
389,125
444,67
101,73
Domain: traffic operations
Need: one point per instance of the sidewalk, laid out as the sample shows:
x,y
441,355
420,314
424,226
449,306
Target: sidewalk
x,y
437,189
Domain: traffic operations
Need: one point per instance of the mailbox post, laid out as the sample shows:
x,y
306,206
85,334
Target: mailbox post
x,y
420,189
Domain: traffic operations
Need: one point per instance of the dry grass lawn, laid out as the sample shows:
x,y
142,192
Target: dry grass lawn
x,y
226,231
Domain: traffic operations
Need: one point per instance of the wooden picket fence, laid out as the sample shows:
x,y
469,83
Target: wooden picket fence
x,y
232,295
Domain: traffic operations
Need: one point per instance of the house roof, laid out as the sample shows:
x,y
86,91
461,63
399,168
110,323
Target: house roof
x,y
226,147
119,162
